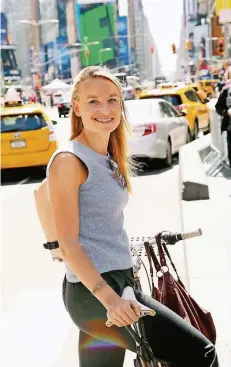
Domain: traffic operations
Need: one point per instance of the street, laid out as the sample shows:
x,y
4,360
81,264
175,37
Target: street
x,y
37,330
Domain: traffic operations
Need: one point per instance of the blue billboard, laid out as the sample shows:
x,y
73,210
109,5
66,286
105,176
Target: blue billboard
x,y
3,29
64,58
123,42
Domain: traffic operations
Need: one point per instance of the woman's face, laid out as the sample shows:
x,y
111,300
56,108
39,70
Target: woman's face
x,y
99,105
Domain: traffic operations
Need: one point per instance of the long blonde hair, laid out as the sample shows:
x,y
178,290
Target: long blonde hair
x,y
117,146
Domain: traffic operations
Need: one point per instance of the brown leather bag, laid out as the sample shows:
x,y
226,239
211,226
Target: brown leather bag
x,y
172,293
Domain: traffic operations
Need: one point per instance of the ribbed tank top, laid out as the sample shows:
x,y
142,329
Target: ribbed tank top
x,y
101,220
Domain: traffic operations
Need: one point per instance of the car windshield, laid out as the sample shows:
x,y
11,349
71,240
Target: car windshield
x,y
141,112
22,122
174,99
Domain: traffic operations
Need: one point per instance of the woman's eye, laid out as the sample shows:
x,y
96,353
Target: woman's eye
x,y
112,100
93,101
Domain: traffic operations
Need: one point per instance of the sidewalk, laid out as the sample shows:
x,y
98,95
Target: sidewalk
x,y
209,258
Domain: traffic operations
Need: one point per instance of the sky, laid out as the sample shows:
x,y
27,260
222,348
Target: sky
x,y
164,18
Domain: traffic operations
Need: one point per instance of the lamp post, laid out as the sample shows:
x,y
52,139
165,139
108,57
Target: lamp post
x,y
100,53
36,37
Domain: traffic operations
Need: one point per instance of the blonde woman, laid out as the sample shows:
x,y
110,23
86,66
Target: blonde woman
x,y
89,184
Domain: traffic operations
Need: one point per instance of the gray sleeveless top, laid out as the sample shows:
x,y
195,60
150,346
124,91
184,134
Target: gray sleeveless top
x,y
101,219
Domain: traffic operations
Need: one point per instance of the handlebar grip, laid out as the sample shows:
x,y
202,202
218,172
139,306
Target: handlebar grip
x,y
187,235
172,238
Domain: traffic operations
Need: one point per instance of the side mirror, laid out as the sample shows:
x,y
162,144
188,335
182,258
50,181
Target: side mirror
x,y
54,122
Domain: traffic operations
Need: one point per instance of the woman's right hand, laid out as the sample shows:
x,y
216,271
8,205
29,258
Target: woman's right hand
x,y
123,312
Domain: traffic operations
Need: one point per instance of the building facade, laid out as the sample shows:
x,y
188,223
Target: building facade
x,y
19,34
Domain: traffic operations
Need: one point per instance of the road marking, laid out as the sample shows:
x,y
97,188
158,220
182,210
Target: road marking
x,y
12,190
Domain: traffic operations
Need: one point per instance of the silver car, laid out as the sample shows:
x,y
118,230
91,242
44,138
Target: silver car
x,y
158,129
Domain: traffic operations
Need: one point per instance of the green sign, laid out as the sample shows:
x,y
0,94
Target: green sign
x,y
96,23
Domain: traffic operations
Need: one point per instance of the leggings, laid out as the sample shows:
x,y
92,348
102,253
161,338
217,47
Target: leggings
x,y
172,340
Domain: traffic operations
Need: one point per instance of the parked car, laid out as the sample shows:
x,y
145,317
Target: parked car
x,y
201,93
27,136
63,108
129,92
209,87
185,98
158,129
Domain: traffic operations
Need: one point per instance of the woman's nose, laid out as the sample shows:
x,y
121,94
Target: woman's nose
x,y
104,108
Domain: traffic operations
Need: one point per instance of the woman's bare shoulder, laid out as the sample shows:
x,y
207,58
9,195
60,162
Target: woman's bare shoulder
x,y
67,166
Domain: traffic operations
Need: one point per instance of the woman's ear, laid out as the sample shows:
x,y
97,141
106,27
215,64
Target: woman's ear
x,y
76,108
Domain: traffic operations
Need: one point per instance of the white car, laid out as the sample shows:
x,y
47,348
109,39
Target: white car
x,y
158,129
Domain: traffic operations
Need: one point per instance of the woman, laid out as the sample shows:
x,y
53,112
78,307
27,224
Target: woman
x,y
89,182
223,108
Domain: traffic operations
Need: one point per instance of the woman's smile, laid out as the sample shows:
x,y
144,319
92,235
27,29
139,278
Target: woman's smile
x,y
102,120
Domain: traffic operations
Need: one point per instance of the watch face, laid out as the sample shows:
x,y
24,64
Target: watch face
x,y
228,102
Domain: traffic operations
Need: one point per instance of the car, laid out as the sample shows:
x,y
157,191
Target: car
x,y
209,87
158,129
200,92
27,136
185,98
129,92
64,108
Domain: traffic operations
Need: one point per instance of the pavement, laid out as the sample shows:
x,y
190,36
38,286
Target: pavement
x,y
208,258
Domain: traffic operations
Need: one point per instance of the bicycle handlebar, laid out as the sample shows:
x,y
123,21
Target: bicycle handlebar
x,y
170,238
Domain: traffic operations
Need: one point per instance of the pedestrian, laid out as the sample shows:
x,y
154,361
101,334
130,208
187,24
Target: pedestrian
x,y
223,108
89,184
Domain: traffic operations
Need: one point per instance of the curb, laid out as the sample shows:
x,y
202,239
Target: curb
x,y
193,179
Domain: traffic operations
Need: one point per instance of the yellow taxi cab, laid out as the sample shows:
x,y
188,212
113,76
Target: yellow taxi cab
x,y
168,85
209,87
27,136
186,100
201,93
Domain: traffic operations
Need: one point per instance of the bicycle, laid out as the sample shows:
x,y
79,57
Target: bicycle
x,y
145,356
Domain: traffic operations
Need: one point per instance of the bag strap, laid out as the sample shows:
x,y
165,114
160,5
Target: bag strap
x,y
170,259
147,249
152,258
163,261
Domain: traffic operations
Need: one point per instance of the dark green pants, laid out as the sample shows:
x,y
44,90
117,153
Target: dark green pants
x,y
170,337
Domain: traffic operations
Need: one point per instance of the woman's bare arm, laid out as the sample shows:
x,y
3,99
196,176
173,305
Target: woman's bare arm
x,y
44,211
45,215
67,173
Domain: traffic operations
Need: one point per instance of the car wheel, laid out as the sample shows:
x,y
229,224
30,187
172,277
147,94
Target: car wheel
x,y
168,160
196,130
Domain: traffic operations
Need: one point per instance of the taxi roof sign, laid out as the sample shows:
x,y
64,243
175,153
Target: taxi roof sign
x,y
12,97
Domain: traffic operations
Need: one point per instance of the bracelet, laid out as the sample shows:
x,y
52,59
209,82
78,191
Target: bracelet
x,y
98,286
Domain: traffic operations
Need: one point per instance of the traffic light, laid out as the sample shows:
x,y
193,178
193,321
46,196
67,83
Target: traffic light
x,y
188,45
152,49
221,46
173,48
86,52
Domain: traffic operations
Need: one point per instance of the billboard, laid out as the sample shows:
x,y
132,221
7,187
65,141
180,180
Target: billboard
x,y
123,42
95,22
64,59
3,25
